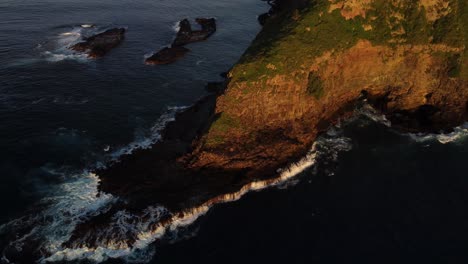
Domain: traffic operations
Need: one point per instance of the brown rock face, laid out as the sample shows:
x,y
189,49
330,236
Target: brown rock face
x,y
100,44
290,87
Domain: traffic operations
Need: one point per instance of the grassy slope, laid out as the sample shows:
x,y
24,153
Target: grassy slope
x,y
292,40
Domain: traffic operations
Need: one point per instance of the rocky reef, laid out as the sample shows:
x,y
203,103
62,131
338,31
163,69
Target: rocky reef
x,y
100,44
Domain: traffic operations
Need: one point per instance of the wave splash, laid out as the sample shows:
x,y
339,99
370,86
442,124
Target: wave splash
x,y
58,48
75,201
157,223
458,134
153,137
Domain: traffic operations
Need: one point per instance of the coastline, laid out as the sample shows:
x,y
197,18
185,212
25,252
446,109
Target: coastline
x,y
167,186
180,173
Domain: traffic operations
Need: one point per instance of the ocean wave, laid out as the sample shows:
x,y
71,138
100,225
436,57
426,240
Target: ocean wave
x,y
129,236
57,48
76,200
87,25
458,134
176,27
372,114
64,55
155,134
148,227
72,202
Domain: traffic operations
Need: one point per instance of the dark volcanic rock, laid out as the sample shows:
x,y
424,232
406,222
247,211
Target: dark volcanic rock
x,y
186,35
100,44
167,55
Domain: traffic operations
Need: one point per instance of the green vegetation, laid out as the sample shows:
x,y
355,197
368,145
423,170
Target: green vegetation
x,y
219,127
463,22
315,86
223,123
454,65
290,41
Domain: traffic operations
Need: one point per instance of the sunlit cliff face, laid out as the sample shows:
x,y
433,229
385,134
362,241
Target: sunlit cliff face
x,y
308,66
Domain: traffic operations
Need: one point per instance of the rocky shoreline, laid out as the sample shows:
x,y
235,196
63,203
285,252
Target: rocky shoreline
x,y
286,90
192,164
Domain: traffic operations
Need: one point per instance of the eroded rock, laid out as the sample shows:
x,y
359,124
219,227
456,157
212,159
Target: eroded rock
x,y
186,35
167,55
100,44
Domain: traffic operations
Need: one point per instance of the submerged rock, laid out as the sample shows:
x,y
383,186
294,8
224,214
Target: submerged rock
x,y
186,35
100,44
167,55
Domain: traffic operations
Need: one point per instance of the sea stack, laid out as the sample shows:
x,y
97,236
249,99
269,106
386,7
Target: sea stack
x,y
184,36
100,44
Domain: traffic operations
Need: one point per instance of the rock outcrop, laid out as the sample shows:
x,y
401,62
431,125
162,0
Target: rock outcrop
x,y
100,44
167,55
185,36
306,70
309,66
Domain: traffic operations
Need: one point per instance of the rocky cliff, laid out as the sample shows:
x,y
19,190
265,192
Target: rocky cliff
x,y
315,59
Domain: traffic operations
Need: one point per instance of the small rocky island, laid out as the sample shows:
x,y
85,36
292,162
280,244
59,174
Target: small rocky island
x,y
185,36
100,44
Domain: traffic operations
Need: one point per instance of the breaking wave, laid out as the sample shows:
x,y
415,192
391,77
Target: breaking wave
x,y
129,236
157,223
72,202
458,134
155,133
176,27
56,49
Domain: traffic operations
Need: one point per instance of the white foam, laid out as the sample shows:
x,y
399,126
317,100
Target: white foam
x,y
78,199
155,133
70,37
176,27
87,25
459,133
72,202
374,115
150,230
70,34
57,57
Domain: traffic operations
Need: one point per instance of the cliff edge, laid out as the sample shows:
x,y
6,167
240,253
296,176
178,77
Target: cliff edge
x,y
315,59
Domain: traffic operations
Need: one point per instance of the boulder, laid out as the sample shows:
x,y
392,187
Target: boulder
x,y
100,44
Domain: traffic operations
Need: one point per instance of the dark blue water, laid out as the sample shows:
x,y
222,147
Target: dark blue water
x,y
59,110
382,198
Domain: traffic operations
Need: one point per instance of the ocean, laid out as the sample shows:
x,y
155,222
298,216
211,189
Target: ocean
x,y
366,193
